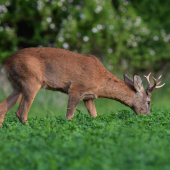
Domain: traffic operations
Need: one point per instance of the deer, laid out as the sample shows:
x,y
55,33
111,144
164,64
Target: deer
x,y
82,77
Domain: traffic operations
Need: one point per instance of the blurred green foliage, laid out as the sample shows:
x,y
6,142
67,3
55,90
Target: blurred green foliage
x,y
129,35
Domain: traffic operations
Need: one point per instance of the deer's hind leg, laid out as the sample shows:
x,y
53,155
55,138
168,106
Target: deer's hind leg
x,y
9,102
29,92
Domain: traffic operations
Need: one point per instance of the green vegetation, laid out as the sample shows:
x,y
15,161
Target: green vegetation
x,y
120,140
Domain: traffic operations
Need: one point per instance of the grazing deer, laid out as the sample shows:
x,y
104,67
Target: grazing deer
x,y
82,77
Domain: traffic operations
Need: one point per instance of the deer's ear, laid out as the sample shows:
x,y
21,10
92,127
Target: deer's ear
x,y
137,83
129,81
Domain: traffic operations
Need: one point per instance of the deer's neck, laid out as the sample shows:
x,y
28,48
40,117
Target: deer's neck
x,y
114,88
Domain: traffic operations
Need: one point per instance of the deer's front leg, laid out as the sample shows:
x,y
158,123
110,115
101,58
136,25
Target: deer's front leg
x,y
72,104
91,107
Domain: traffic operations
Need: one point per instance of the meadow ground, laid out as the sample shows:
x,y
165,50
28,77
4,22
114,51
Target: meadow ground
x,y
116,139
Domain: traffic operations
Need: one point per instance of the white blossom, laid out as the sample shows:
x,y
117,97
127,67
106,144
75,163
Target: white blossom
x,y
64,8
40,5
52,26
82,16
3,8
78,7
60,4
7,3
61,39
99,27
65,45
111,27
70,17
166,39
155,38
86,38
94,30
48,19
134,44
110,67
125,2
152,52
98,9
110,50
138,21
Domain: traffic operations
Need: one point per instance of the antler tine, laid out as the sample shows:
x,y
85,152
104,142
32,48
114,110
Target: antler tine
x,y
159,83
157,79
147,79
156,82
150,87
157,87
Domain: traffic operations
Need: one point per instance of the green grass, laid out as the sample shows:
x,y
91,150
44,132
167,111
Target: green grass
x,y
112,141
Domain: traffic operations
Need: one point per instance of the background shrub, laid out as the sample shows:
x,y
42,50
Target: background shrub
x,y
129,35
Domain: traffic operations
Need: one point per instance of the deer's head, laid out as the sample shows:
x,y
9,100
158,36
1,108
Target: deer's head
x,y
142,100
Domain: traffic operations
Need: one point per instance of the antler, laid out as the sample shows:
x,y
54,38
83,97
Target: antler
x,y
150,87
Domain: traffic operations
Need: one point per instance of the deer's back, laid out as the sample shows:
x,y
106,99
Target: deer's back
x,y
54,68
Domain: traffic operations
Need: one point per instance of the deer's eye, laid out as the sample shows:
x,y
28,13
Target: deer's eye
x,y
148,102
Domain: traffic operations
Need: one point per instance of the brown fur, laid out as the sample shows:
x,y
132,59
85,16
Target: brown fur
x,y
82,77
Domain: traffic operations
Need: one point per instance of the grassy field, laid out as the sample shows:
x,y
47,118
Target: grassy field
x,y
111,141
116,139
